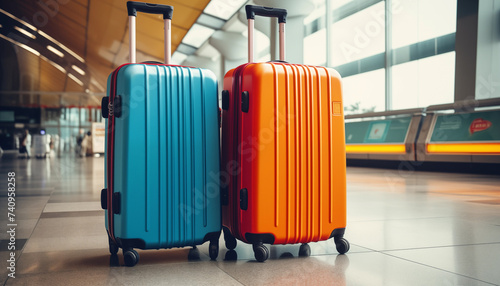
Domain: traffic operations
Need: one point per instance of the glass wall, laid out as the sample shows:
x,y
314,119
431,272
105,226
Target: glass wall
x,y
416,21
422,75
70,121
392,54
359,35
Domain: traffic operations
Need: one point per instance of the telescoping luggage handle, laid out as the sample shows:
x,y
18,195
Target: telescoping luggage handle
x,y
167,11
253,10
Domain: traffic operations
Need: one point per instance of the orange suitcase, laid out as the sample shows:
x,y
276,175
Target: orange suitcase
x,y
283,152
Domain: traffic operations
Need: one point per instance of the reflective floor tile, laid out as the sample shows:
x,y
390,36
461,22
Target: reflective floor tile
x,y
350,269
68,233
189,273
420,233
72,207
23,229
479,261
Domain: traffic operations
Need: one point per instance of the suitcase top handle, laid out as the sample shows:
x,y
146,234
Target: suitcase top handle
x,y
133,7
253,10
279,13
166,10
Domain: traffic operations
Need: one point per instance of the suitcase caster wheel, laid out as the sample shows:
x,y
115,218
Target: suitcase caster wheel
x,y
342,245
304,250
261,252
213,250
131,257
229,239
230,242
231,255
113,248
194,254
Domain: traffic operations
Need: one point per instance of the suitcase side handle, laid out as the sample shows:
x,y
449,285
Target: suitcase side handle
x,y
279,13
166,10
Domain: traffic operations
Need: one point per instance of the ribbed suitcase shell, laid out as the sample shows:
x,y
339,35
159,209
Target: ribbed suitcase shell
x,y
288,151
166,156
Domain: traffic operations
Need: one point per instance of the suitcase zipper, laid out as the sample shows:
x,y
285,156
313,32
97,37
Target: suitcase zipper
x,y
237,86
110,155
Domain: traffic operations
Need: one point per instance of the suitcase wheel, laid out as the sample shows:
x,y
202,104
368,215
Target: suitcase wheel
x,y
261,252
229,239
342,245
213,249
194,254
113,247
231,255
230,242
304,250
131,257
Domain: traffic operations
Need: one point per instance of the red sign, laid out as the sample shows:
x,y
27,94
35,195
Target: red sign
x,y
479,124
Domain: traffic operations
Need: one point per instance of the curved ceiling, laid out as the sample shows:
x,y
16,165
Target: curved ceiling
x,y
72,45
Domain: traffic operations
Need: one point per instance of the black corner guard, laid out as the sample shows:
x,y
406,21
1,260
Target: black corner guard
x,y
254,238
127,243
338,233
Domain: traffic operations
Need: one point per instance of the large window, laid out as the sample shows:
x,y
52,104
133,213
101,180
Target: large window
x,y
416,21
358,35
366,97
414,67
315,48
421,30
424,82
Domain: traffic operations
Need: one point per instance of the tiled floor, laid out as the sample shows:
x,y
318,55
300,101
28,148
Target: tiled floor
x,y
405,228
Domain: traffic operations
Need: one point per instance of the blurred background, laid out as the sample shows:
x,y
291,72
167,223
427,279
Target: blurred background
x,y
56,55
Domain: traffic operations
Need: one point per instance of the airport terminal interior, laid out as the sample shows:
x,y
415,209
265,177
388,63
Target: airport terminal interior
x,y
420,99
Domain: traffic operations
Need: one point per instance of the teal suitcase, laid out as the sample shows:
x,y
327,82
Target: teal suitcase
x,y
162,154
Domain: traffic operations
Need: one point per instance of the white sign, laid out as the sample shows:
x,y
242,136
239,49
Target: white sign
x,y
98,137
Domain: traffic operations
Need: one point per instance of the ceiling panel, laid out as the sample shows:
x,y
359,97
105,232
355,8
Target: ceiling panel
x,y
75,11
72,86
81,2
69,34
29,67
51,78
148,26
194,4
97,31
184,17
56,24
106,31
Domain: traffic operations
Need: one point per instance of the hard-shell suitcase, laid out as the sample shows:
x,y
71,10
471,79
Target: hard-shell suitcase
x,y
162,153
283,152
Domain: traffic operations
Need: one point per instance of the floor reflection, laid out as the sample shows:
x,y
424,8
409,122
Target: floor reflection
x,y
285,267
